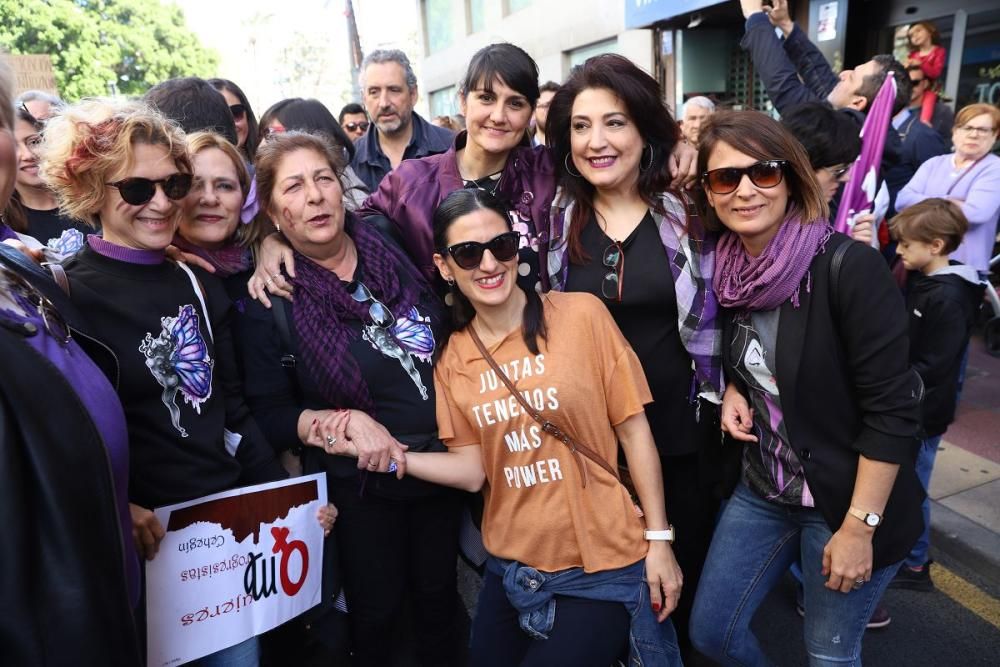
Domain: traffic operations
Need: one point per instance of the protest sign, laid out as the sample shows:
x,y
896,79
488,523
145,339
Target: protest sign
x,y
233,565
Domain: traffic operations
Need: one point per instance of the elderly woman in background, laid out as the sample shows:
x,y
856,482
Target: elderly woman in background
x,y
619,232
969,177
815,345
361,333
64,477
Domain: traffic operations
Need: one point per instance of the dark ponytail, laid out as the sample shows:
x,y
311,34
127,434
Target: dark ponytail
x,y
462,202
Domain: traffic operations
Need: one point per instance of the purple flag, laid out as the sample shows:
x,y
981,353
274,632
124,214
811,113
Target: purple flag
x,y
862,184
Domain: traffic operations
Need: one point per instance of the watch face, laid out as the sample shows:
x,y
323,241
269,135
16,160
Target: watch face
x,y
873,520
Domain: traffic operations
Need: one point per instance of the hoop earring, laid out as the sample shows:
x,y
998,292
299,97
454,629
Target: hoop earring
x,y
568,169
647,167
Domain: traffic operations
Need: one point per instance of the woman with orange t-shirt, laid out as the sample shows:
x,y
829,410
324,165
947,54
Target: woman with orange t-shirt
x,y
558,523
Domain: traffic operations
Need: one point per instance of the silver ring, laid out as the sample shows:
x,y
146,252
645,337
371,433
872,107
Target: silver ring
x,y
330,441
858,583
269,281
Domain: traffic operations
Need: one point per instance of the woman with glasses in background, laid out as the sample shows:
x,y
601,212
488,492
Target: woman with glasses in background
x,y
820,393
352,354
621,233
970,177
247,135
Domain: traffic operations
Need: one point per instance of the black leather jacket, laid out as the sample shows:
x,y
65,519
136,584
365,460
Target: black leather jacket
x,y
62,575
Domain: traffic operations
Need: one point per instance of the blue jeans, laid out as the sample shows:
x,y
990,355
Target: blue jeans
x,y
925,466
755,543
244,654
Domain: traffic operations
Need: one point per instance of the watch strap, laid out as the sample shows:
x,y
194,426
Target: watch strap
x,y
663,535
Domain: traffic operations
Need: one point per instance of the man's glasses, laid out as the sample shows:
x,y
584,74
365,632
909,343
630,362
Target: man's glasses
x,y
138,191
614,259
238,110
379,313
469,255
763,174
54,323
974,131
360,125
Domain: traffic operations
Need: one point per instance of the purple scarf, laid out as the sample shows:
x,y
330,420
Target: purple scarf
x,y
767,281
228,261
322,308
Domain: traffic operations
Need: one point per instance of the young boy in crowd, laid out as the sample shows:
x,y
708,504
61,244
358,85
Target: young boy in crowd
x,y
942,301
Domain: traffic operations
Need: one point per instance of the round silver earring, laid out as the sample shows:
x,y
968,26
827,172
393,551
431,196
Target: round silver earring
x,y
569,170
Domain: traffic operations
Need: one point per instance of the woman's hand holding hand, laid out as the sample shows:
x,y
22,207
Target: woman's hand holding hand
x,y
376,448
146,531
664,577
274,253
737,416
847,557
864,228
327,515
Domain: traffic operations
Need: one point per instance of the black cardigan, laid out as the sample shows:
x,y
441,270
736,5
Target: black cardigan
x,y
846,389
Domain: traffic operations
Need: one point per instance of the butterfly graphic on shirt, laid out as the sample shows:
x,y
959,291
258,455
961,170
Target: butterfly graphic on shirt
x,y
179,361
68,243
411,336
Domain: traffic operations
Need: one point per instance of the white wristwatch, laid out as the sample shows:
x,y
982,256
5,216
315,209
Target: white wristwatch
x,y
663,535
871,519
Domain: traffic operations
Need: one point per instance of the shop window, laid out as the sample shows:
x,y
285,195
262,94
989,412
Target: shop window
x,y
443,23
979,79
516,5
477,15
578,56
444,101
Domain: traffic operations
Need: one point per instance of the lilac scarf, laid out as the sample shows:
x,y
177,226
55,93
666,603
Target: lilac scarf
x,y
765,282
322,308
227,261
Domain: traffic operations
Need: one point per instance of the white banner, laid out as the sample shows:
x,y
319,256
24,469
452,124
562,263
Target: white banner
x,y
233,565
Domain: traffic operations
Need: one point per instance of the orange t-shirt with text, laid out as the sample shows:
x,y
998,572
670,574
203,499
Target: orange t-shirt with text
x,y
585,379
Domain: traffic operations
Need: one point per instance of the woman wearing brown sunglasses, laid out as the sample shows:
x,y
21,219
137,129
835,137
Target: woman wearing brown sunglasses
x,y
820,394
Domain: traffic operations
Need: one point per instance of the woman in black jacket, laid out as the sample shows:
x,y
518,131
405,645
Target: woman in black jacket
x,y
819,391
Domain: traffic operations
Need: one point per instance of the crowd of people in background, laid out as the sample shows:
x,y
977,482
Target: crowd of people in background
x,y
654,299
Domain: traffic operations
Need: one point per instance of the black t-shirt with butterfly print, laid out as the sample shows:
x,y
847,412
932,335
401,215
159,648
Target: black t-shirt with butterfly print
x,y
178,380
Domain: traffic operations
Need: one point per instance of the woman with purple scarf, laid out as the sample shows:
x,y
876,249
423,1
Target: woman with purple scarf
x,y
820,394
352,355
619,232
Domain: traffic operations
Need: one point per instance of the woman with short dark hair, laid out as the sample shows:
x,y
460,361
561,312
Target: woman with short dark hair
x,y
820,393
247,135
